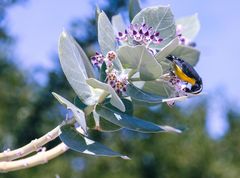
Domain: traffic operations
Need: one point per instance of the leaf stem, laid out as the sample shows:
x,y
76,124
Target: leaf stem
x,y
103,96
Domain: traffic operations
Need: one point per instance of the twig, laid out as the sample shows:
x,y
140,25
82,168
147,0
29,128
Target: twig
x,y
34,145
41,157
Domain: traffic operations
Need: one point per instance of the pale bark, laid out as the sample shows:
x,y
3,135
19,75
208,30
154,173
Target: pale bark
x,y
34,145
41,157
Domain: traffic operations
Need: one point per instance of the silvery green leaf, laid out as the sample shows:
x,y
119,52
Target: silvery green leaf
x,y
167,50
133,8
160,88
180,98
106,38
138,57
164,52
74,69
127,103
77,113
102,124
106,126
86,62
115,99
97,12
162,21
190,26
83,144
138,84
103,74
130,122
118,23
142,96
95,122
166,65
189,54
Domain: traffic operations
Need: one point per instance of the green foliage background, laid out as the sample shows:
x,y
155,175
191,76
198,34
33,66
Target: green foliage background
x,y
28,110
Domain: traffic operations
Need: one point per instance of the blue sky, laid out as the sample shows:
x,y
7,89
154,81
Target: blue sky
x,y
38,24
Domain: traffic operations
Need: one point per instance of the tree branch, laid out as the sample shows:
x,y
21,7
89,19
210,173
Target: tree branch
x,y
34,145
37,159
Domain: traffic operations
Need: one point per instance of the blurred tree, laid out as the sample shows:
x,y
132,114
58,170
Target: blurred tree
x,y
39,112
29,111
15,93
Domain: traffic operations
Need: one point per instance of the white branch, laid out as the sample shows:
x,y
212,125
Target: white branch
x,y
37,159
34,145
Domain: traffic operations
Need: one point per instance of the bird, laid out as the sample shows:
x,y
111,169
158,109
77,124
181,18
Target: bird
x,y
185,71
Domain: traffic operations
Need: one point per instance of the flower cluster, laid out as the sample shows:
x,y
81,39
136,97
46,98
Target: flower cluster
x,y
140,34
98,59
179,87
182,39
115,79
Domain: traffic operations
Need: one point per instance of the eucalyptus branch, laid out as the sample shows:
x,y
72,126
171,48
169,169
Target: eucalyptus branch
x,y
34,145
37,159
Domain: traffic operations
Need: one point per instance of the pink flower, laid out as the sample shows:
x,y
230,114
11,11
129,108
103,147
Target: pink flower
x,y
97,60
182,39
140,34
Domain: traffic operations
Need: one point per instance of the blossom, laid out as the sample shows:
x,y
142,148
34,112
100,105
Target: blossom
x,y
182,39
111,55
140,34
112,78
178,86
121,84
118,81
97,59
123,36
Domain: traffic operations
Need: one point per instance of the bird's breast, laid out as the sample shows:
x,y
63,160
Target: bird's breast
x,y
183,76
